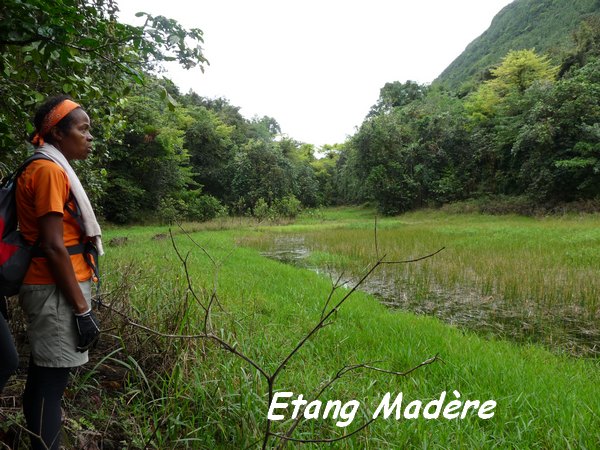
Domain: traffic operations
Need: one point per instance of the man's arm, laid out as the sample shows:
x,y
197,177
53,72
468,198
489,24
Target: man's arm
x,y
59,261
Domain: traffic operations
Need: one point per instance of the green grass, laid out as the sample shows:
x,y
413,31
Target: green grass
x,y
192,394
199,396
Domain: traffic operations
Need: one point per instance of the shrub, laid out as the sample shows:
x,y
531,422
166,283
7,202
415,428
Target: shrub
x,y
170,210
288,206
262,210
205,207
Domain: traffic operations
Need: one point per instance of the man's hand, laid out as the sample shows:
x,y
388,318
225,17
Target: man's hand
x,y
88,330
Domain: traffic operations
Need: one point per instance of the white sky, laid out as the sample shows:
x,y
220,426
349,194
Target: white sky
x,y
316,66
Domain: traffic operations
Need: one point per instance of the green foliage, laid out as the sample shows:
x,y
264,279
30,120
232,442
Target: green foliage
x,y
515,74
523,133
204,207
263,128
396,95
261,171
151,157
518,70
412,155
326,175
194,207
123,201
262,210
162,155
79,48
210,143
288,206
170,210
192,394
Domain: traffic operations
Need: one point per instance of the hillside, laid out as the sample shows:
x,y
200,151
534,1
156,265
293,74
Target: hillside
x,y
545,25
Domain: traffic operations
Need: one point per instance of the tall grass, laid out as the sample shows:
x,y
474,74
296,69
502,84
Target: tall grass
x,y
191,394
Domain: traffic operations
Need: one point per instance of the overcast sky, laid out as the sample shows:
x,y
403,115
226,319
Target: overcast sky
x,y
316,66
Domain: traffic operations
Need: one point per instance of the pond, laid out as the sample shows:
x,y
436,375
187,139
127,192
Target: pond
x,y
560,330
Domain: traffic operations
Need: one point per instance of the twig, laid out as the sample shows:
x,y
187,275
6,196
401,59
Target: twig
x,y
402,374
321,323
334,287
323,319
30,433
151,438
350,292
270,379
187,273
376,242
314,441
210,336
196,244
406,261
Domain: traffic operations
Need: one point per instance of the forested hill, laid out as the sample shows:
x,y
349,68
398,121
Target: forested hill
x,y
543,25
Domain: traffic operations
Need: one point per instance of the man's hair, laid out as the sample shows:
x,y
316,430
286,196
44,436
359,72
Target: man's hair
x,y
65,123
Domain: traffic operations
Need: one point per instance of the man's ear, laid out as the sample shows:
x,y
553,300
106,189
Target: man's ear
x,y
55,134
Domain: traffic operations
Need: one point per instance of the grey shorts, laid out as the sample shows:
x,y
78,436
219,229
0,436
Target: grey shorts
x,y
51,327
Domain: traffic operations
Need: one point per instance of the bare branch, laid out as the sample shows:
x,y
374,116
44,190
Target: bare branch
x,y
27,431
414,260
402,374
225,345
331,292
376,241
321,324
187,273
196,244
323,319
314,441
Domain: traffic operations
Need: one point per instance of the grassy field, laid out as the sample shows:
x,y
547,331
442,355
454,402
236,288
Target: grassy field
x,y
156,392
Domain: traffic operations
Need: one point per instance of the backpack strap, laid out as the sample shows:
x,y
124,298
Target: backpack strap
x,y
90,252
38,252
17,173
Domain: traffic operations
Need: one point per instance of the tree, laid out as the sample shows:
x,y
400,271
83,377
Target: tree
x,y
396,95
325,170
587,45
79,48
516,73
261,171
150,167
211,146
265,128
558,144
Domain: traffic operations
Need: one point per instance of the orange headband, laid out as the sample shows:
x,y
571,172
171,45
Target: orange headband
x,y
55,115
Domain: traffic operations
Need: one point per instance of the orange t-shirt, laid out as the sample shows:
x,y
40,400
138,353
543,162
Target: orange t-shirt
x,y
44,188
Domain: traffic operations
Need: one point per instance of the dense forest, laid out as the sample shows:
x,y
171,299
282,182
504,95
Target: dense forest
x,y
527,130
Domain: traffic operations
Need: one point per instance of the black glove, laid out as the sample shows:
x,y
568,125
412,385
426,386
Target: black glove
x,y
88,330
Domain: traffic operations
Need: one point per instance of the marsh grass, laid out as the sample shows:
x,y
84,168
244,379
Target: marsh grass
x,y
538,273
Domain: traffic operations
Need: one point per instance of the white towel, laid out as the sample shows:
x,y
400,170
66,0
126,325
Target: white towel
x,y
90,224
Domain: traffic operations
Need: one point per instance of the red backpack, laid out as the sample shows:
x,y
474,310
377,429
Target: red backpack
x,y
15,252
